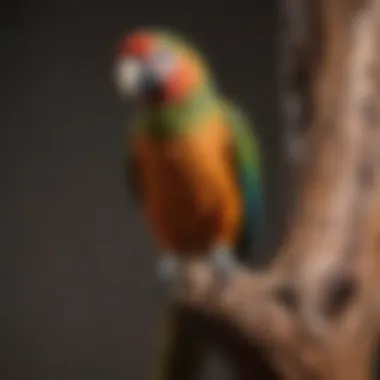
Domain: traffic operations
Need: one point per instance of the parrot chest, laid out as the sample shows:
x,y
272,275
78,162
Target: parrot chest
x,y
182,180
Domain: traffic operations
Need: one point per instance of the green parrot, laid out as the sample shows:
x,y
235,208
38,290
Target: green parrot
x,y
193,165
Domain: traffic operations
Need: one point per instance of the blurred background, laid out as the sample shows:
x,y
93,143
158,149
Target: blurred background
x,y
77,288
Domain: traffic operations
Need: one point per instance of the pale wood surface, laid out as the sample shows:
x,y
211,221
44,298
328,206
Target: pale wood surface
x,y
316,310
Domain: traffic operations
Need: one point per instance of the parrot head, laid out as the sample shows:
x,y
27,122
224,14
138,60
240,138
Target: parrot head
x,y
157,67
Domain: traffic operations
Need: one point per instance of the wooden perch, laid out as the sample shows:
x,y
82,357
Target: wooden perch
x,y
315,310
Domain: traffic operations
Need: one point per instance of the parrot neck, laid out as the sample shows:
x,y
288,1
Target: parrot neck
x,y
171,119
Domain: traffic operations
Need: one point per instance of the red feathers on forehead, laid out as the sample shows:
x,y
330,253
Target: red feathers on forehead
x,y
137,44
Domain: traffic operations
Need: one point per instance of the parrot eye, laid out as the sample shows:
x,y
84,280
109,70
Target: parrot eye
x,y
162,62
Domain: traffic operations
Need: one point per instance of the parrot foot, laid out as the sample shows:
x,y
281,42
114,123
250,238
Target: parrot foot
x,y
223,263
168,273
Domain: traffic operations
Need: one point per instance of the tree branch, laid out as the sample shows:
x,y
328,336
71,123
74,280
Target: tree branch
x,y
314,308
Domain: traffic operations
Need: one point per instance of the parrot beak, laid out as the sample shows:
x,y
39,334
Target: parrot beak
x,y
129,76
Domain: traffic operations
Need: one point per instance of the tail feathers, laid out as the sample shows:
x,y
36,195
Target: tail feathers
x,y
248,242
181,348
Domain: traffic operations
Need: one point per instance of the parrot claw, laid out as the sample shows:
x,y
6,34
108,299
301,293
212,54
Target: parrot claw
x,y
223,262
168,274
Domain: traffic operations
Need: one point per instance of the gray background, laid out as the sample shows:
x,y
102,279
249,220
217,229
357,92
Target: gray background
x,y
77,291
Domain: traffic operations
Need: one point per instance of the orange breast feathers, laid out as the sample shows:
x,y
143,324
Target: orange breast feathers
x,y
189,190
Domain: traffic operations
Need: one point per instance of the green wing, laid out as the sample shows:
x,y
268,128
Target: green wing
x,y
248,166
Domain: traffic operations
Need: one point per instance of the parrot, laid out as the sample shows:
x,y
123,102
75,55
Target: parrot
x,y
193,165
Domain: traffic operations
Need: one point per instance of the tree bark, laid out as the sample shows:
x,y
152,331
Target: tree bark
x,y
315,311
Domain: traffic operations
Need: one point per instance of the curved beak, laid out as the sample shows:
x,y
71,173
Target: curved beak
x,y
129,76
